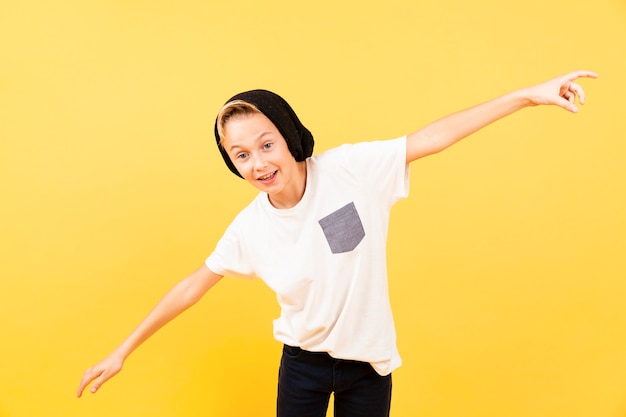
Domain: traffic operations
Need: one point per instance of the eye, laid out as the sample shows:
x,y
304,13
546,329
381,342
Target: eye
x,y
242,155
267,145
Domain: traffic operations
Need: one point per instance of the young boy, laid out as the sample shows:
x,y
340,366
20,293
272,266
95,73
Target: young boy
x,y
316,235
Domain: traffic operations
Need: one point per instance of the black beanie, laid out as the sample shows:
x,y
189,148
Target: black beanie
x,y
299,139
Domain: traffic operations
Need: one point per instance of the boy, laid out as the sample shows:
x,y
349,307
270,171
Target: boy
x,y
316,235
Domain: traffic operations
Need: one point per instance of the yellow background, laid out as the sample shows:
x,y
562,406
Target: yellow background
x,y
507,261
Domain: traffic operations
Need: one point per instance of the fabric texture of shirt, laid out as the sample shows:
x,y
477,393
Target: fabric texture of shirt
x,y
325,258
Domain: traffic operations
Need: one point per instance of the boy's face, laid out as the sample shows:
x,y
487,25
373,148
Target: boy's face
x,y
260,154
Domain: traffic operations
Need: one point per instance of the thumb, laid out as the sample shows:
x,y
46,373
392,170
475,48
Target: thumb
x,y
98,382
89,375
104,376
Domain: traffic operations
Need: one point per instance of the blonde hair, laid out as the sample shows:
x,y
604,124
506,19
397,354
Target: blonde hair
x,y
232,110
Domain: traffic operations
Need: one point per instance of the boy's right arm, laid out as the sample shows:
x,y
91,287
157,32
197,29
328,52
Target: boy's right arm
x,y
182,296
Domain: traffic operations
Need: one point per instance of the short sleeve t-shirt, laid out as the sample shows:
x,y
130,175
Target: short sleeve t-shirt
x,y
325,258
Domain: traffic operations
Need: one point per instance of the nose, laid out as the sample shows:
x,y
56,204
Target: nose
x,y
259,162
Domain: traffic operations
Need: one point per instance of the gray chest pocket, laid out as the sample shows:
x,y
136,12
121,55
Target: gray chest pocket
x,y
343,229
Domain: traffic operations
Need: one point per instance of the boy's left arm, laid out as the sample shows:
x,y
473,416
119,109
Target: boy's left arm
x,y
439,135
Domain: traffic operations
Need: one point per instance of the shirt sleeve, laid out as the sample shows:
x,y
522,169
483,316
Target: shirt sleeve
x,y
228,258
381,166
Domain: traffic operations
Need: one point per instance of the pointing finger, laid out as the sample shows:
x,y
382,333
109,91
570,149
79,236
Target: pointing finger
x,y
580,74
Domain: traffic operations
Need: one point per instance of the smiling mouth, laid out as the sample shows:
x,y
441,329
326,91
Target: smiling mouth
x,y
268,176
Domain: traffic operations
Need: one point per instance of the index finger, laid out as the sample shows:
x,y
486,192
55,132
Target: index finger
x,y
580,74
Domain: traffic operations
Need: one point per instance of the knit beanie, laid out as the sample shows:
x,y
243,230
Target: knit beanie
x,y
299,139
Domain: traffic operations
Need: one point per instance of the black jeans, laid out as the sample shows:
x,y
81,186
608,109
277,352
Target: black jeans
x,y
306,380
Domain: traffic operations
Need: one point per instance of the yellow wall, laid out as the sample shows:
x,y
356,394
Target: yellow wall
x,y
507,262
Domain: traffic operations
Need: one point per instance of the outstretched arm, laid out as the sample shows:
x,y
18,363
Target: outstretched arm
x,y
439,135
182,296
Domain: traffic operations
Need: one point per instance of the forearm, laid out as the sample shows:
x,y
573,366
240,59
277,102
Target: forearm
x,y
182,296
450,129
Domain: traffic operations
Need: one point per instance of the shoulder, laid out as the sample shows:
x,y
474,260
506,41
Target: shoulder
x,y
247,216
361,155
365,148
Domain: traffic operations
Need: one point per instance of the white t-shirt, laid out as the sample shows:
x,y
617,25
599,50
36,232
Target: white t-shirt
x,y
325,258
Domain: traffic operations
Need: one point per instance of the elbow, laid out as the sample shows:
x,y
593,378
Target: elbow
x,y
418,149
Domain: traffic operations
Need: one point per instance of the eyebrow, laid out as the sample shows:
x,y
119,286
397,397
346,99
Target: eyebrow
x,y
259,138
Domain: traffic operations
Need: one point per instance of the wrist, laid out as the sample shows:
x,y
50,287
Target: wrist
x,y
522,98
121,352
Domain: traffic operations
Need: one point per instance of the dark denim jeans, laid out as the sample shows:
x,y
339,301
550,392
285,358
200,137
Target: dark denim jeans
x,y
306,380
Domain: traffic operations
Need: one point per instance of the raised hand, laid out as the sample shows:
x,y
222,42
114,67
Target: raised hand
x,y
560,91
